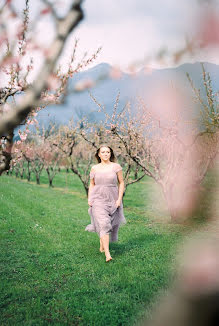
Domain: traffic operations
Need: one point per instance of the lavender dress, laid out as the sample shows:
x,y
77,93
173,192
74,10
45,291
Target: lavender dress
x,y
105,217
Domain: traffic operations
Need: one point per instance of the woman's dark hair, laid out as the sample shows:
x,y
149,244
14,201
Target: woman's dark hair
x,y
112,156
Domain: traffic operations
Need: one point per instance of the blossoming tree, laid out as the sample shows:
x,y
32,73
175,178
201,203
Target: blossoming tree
x,y
48,86
169,147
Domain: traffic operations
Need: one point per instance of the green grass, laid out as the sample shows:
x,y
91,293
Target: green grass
x,y
51,271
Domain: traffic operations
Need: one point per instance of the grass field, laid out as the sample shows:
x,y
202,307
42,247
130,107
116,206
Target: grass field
x,y
51,270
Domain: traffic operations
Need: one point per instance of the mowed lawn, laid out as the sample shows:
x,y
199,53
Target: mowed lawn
x,y
51,270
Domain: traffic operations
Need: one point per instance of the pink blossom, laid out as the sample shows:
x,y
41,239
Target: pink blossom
x,y
49,97
29,67
11,60
31,122
115,73
53,82
3,38
45,11
23,137
84,84
21,84
208,30
200,273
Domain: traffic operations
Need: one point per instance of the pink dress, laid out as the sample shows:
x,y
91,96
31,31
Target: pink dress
x,y
105,216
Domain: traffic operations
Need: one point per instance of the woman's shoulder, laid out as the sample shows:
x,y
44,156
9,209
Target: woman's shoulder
x,y
93,171
95,167
116,164
117,167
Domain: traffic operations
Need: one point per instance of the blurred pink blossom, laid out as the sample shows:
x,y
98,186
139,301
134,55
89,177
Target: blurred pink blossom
x,y
45,11
84,84
115,72
208,28
199,272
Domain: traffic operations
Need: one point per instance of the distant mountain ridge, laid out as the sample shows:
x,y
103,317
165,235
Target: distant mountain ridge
x,y
80,103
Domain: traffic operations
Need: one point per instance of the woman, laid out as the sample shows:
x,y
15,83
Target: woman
x,y
105,198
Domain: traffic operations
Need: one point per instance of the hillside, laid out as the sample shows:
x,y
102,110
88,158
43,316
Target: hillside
x,y
78,104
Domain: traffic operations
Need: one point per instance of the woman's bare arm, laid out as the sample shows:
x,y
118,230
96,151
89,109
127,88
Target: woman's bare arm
x,y
92,184
121,186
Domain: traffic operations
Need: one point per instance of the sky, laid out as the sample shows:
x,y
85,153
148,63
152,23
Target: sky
x,y
134,30
129,31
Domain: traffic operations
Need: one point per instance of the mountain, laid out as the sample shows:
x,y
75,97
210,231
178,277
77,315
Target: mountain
x,y
106,89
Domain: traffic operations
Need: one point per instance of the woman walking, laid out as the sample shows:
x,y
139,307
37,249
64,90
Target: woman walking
x,y
105,198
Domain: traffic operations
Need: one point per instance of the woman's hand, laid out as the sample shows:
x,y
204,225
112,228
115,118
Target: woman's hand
x,y
118,203
89,203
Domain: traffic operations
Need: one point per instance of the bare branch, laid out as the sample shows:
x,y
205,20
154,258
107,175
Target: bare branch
x,y
135,180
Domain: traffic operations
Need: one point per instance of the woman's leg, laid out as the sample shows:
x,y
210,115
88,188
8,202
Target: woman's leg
x,y
101,246
105,242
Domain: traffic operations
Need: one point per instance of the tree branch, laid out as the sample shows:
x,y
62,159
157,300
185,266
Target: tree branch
x,y
18,113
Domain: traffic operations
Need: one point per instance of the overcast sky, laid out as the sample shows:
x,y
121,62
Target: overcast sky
x,y
128,30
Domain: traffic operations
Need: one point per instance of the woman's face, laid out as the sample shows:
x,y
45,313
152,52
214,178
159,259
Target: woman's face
x,y
104,153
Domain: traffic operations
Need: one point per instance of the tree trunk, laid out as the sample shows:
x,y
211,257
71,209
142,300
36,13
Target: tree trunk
x,y
5,152
50,182
37,179
22,173
85,184
50,177
28,171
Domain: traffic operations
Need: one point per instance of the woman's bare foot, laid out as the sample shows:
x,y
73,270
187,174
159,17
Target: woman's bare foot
x,y
108,259
104,244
